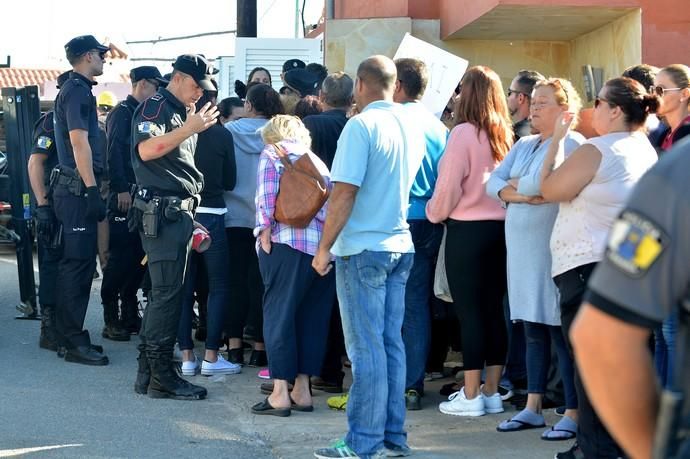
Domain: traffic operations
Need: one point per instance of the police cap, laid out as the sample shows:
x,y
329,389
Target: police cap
x,y
197,67
302,81
146,72
83,44
291,64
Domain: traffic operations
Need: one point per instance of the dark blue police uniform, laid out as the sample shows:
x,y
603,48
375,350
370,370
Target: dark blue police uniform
x,y
75,109
124,271
168,188
49,246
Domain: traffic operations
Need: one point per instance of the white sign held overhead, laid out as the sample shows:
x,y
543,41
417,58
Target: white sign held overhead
x,y
445,70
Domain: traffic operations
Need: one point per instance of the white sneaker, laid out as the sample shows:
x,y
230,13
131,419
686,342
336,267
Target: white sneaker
x,y
493,403
190,368
459,405
219,367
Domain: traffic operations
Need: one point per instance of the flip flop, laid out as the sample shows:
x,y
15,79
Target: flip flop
x,y
569,434
521,425
302,408
266,408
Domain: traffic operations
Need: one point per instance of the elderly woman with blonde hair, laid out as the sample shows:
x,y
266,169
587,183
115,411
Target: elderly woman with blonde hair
x,y
297,300
532,295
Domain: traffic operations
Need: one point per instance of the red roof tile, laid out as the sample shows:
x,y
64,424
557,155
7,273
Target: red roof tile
x,y
13,77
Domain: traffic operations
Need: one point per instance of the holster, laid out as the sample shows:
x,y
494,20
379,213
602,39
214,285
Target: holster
x,y
69,178
151,212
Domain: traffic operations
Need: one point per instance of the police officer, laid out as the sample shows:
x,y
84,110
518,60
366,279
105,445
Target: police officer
x,y
77,202
164,135
42,160
123,272
644,278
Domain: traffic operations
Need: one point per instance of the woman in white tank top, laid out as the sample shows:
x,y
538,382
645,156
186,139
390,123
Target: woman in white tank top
x,y
592,185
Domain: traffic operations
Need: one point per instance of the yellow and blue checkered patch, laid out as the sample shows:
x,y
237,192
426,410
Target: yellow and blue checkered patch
x,y
635,243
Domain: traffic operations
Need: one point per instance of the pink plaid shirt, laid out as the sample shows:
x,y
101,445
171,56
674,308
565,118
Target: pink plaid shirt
x,y
305,240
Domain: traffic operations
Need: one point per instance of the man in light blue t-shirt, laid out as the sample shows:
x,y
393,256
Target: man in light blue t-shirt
x,y
379,153
426,236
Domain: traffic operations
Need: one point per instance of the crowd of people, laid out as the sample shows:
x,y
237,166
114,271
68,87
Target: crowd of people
x,y
516,202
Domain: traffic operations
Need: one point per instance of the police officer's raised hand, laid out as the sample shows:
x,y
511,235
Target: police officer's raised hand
x,y
95,207
201,120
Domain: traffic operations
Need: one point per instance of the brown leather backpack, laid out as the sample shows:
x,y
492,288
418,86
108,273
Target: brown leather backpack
x,y
302,191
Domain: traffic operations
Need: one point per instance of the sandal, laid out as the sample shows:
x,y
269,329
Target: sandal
x,y
565,429
266,408
302,408
521,425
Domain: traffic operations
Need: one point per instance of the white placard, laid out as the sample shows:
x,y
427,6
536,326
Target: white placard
x,y
445,70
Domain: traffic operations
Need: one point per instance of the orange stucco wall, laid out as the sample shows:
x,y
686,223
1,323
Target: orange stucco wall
x,y
665,31
366,9
665,23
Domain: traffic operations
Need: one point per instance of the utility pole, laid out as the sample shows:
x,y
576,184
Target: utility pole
x,y
246,18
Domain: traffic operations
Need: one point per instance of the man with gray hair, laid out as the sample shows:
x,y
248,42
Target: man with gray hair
x,y
325,128
379,153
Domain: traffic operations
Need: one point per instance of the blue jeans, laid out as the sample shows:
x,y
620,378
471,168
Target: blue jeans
x,y
371,292
665,349
416,330
216,261
540,337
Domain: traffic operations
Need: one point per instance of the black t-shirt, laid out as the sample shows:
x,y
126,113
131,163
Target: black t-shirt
x,y
44,143
325,129
174,173
118,127
75,108
215,158
522,128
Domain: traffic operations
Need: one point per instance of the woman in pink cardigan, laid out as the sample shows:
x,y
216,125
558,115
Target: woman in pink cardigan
x,y
475,242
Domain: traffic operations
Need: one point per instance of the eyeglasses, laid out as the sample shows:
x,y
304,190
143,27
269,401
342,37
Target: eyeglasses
x,y
599,100
659,91
510,92
100,54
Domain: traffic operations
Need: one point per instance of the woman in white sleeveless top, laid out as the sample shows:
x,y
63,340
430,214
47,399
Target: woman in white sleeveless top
x,y
592,185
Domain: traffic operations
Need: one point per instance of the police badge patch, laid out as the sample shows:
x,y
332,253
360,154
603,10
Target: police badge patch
x,y
148,127
44,142
635,243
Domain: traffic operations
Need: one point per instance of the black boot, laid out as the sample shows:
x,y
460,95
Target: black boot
x,y
141,385
165,382
48,339
131,321
112,329
258,359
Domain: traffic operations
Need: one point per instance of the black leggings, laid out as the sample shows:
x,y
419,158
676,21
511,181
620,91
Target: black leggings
x,y
592,437
476,270
246,286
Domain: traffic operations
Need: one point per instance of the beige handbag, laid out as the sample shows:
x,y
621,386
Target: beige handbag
x,y
441,289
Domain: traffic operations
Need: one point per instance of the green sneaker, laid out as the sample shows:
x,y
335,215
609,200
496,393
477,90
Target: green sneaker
x,y
338,402
340,450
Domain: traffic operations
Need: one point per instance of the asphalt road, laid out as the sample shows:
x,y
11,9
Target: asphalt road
x,y
53,409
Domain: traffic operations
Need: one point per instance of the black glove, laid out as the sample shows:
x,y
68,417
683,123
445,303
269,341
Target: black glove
x,y
95,207
240,89
46,222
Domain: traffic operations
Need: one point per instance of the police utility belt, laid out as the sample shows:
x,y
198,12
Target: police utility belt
x,y
69,178
159,209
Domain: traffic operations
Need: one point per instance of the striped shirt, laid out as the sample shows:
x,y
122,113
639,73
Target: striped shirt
x,y
305,240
